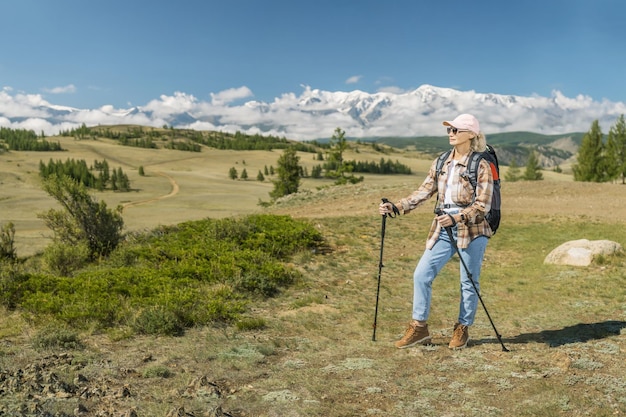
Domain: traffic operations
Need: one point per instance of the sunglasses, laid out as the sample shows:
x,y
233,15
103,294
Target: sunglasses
x,y
454,130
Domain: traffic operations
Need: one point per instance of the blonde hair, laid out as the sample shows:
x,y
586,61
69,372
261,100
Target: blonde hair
x,y
478,143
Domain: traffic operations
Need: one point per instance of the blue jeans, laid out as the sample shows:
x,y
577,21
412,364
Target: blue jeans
x,y
431,263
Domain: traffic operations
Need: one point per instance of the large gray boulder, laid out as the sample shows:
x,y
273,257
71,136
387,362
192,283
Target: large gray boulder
x,y
582,252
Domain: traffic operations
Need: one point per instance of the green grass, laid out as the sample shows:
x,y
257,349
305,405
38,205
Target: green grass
x,y
308,350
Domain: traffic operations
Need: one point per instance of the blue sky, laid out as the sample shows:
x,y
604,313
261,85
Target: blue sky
x,y
88,54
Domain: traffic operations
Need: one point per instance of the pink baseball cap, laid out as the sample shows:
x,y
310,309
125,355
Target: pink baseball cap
x,y
464,122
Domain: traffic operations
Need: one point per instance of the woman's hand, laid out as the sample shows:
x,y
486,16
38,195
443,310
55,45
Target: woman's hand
x,y
385,208
446,220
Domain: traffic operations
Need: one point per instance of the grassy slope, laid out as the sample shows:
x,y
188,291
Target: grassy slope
x,y
563,325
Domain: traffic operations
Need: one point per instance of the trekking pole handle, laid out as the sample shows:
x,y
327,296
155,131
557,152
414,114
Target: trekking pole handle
x,y
393,206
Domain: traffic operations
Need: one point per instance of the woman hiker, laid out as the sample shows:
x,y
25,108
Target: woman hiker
x,y
462,212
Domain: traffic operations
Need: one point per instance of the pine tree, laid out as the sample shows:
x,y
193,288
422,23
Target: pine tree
x,y
316,171
616,151
288,170
232,173
244,174
260,177
338,146
533,169
513,173
589,166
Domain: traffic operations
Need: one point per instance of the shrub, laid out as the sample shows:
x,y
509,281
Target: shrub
x,y
167,279
7,242
83,219
249,323
63,259
57,336
157,371
158,320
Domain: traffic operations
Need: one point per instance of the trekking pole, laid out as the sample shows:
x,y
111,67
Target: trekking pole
x,y
380,262
469,275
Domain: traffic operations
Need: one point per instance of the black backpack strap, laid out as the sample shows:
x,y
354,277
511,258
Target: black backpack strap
x,y
472,168
440,161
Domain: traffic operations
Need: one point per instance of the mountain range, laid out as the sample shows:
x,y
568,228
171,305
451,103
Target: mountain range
x,y
315,114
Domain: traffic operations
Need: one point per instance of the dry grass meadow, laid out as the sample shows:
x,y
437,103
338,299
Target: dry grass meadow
x,y
565,327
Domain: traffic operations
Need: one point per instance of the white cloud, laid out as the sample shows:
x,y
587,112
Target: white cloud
x,y
230,95
354,79
68,89
391,89
315,113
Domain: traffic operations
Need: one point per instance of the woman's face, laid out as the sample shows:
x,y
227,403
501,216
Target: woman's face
x,y
458,136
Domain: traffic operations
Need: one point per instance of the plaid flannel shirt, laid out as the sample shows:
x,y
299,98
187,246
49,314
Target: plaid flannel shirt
x,y
462,194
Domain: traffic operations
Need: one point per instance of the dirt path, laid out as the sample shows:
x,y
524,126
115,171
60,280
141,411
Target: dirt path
x,y
175,189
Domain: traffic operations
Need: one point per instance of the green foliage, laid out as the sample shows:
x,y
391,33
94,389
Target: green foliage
x,y
11,279
533,169
337,167
589,166
250,323
26,140
513,173
232,173
82,220
189,140
382,167
166,280
64,258
158,320
616,151
157,371
7,242
316,171
57,336
288,180
80,172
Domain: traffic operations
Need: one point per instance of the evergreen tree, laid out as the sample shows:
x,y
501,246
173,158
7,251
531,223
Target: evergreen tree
x,y
288,169
316,171
232,173
589,166
244,174
338,146
616,151
260,177
114,181
337,167
533,170
513,173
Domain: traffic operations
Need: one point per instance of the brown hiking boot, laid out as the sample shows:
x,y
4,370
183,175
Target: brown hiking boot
x,y
460,337
414,334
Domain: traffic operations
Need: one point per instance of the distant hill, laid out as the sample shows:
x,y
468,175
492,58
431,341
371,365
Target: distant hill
x,y
553,149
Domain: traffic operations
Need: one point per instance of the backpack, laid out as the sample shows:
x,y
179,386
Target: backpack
x,y
493,216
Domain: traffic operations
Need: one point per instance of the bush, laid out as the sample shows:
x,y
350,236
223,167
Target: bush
x,y
63,259
248,324
7,242
57,336
83,219
158,320
168,279
157,371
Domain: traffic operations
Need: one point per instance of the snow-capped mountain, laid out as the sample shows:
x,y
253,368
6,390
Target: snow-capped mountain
x,y
316,113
